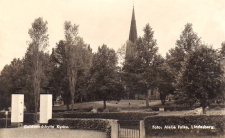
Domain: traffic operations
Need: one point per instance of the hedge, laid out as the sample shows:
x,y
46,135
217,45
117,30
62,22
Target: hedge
x,y
216,105
57,115
115,115
156,125
3,122
86,124
30,118
172,108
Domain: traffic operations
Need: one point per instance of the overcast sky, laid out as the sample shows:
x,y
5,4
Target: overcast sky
x,y
108,22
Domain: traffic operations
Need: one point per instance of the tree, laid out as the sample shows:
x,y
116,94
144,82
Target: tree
x,y
60,80
38,43
201,75
188,42
105,79
78,57
222,61
12,76
45,76
140,66
121,53
164,79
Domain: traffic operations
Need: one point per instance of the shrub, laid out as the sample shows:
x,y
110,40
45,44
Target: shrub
x,y
57,115
216,121
106,110
3,122
86,124
171,108
116,115
30,118
101,109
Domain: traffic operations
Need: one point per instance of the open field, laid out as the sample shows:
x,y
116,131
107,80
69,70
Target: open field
x,y
49,133
111,104
137,106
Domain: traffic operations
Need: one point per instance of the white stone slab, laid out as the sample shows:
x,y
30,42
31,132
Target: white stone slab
x,y
17,107
45,108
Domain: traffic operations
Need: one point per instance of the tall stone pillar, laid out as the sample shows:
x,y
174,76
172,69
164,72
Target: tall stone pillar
x,y
114,129
45,107
17,109
142,129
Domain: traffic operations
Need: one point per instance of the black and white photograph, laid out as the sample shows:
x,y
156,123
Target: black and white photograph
x,y
112,68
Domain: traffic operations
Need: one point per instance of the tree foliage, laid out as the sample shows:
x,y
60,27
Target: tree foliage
x,y
185,45
201,75
60,80
188,42
45,74
164,79
12,76
105,81
38,43
77,57
141,64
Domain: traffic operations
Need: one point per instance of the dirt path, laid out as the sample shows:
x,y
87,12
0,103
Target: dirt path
x,y
49,133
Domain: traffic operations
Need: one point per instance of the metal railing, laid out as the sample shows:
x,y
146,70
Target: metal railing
x,y
129,129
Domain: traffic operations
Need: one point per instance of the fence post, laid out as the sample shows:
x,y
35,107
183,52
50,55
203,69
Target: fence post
x,y
142,129
114,129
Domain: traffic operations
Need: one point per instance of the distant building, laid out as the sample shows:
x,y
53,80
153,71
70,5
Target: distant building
x,y
154,95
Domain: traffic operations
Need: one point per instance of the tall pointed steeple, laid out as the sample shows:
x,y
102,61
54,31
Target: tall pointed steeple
x,y
133,29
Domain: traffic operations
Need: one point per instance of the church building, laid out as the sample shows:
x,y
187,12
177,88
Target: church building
x,y
154,95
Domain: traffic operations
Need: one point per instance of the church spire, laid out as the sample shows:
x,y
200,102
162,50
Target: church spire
x,y
133,29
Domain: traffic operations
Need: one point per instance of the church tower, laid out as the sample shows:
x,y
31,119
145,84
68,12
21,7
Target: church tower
x,y
133,29
132,37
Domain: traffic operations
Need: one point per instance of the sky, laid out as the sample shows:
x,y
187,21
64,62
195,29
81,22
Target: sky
x,y
108,22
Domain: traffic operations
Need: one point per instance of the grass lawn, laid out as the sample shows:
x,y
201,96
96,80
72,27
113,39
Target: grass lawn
x,y
137,106
123,104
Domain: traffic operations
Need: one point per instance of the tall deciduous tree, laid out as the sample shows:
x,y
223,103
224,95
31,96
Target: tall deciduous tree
x,y
185,45
164,79
38,43
201,75
222,61
12,76
121,53
188,42
105,81
141,65
45,76
78,56
60,80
